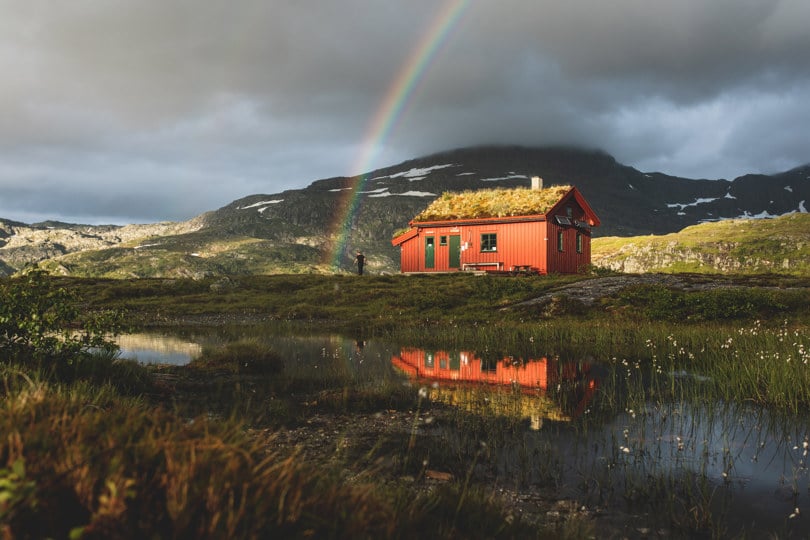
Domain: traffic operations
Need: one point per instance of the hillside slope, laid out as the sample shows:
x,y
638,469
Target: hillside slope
x,y
22,245
740,246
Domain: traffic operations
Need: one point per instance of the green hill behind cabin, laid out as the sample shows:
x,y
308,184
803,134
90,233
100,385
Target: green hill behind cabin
x,y
739,246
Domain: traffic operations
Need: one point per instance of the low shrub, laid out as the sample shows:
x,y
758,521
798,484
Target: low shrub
x,y
43,323
245,357
657,302
101,368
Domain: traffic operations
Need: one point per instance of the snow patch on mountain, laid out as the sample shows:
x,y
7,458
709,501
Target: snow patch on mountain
x,y
509,177
416,173
405,194
260,203
696,202
801,209
417,194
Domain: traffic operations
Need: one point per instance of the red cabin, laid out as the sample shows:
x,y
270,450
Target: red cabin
x,y
509,230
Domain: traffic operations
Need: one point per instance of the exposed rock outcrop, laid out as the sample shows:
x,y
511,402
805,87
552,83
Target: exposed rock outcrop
x,y
22,245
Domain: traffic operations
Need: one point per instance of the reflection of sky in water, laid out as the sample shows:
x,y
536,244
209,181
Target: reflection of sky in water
x,y
157,349
295,350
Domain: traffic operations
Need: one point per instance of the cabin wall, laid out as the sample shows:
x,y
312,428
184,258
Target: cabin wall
x,y
409,255
521,243
572,257
567,260
416,258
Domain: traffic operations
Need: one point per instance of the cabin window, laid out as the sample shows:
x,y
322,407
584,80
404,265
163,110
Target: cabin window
x,y
489,242
569,212
560,240
442,240
579,242
562,220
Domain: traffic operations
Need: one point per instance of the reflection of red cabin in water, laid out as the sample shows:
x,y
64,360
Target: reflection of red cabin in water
x,y
530,375
518,231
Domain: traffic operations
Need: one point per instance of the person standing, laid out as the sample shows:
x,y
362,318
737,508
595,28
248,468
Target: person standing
x,y
360,260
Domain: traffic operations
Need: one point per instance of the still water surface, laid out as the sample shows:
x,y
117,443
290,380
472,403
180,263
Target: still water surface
x,y
750,464
151,348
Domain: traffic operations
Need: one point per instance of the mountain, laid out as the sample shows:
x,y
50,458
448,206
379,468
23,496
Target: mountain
x,y
298,230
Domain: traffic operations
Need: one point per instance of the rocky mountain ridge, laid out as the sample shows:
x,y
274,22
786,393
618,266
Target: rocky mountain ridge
x,y
299,230
22,244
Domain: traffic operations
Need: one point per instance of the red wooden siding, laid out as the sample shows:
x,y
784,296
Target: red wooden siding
x,y
568,260
520,241
410,252
441,256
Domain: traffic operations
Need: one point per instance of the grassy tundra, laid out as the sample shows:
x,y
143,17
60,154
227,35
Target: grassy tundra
x,y
92,446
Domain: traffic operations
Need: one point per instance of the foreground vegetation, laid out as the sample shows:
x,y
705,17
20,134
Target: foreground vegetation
x,y
93,446
92,463
390,303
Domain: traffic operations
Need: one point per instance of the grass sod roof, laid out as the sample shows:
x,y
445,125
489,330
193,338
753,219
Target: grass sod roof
x,y
487,203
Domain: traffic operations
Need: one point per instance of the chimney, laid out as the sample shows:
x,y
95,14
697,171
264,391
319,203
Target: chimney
x,y
537,183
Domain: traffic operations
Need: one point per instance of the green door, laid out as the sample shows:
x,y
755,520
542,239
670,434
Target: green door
x,y
455,251
430,252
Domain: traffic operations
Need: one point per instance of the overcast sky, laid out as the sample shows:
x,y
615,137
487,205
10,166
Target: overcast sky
x,y
119,111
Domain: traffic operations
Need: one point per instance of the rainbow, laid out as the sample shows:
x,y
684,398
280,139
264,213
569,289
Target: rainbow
x,y
388,113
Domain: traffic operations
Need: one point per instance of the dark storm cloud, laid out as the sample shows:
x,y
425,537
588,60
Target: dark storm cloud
x,y
661,85
147,111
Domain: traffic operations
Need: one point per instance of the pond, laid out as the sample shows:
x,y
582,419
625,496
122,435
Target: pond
x,y
580,432
181,346
738,461
153,348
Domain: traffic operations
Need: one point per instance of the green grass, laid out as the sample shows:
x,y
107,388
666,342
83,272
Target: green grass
x,y
390,302
740,246
656,302
340,300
